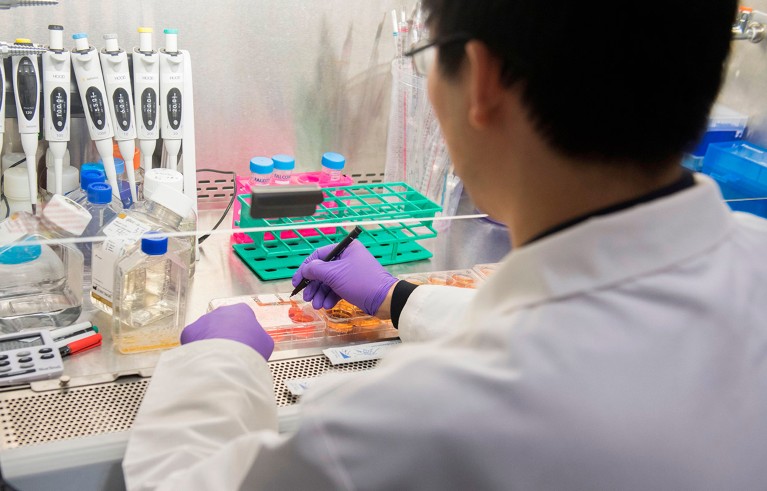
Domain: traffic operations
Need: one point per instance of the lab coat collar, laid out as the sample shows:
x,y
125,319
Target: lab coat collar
x,y
608,250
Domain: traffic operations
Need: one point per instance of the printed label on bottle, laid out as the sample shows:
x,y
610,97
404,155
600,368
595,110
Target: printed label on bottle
x,y
122,232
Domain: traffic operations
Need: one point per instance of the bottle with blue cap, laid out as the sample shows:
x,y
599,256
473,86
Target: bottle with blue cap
x,y
88,175
150,289
332,165
283,168
261,169
165,211
102,209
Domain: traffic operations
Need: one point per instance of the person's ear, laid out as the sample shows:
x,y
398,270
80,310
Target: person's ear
x,y
485,89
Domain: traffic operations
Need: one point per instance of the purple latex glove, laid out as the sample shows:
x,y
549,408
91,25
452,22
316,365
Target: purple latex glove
x,y
236,322
356,276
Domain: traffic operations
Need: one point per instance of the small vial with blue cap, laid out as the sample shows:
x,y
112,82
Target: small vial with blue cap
x,y
283,168
261,169
332,165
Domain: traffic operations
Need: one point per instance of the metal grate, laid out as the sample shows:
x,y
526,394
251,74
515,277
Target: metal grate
x,y
308,367
30,417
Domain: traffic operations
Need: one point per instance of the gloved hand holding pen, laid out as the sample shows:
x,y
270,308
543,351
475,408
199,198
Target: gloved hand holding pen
x,y
356,276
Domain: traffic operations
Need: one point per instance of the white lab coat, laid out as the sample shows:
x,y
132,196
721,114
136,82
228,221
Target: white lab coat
x,y
628,352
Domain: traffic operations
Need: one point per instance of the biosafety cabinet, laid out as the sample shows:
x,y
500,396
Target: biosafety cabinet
x,y
237,81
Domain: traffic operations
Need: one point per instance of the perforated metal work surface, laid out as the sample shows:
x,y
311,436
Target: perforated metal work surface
x,y
30,417
308,367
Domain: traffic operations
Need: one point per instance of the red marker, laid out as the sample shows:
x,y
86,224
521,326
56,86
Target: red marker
x,y
81,345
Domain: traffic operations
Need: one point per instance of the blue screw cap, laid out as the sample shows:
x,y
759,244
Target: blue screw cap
x,y
99,193
283,162
92,166
170,31
91,176
154,244
261,165
79,35
333,160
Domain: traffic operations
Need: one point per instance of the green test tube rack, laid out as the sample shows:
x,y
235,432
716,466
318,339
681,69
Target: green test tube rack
x,y
277,254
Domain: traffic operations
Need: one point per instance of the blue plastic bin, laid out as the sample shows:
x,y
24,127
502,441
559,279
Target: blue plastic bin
x,y
724,125
740,169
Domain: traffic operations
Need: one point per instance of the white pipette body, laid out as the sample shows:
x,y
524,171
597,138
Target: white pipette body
x,y
146,85
172,97
90,83
114,64
56,85
26,78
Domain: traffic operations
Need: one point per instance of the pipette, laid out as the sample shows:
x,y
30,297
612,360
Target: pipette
x,y
26,78
172,96
56,84
90,83
7,49
146,83
114,63
7,4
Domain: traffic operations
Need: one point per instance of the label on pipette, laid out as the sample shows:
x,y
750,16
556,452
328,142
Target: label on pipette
x,y
359,352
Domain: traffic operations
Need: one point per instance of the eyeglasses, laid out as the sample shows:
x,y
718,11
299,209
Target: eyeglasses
x,y
423,57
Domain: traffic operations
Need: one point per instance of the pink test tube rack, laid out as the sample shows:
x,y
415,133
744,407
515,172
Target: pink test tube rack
x,y
243,187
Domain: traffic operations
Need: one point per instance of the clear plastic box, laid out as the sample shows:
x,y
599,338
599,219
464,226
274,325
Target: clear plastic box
x,y
346,318
485,270
724,124
287,321
462,278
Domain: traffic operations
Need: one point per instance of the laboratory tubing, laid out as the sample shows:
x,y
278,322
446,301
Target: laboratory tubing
x,y
88,176
164,212
90,83
56,86
283,168
25,75
332,165
114,63
261,169
172,97
37,288
146,84
150,284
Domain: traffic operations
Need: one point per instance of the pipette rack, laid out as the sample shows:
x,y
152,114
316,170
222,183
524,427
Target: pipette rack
x,y
390,243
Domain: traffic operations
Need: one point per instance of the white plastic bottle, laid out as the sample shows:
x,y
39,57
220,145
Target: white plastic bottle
x,y
16,191
261,169
283,168
150,289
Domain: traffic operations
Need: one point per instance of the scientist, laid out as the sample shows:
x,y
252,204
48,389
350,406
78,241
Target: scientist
x,y
622,344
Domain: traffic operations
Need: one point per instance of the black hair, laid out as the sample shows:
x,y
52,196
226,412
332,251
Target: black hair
x,y
615,82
